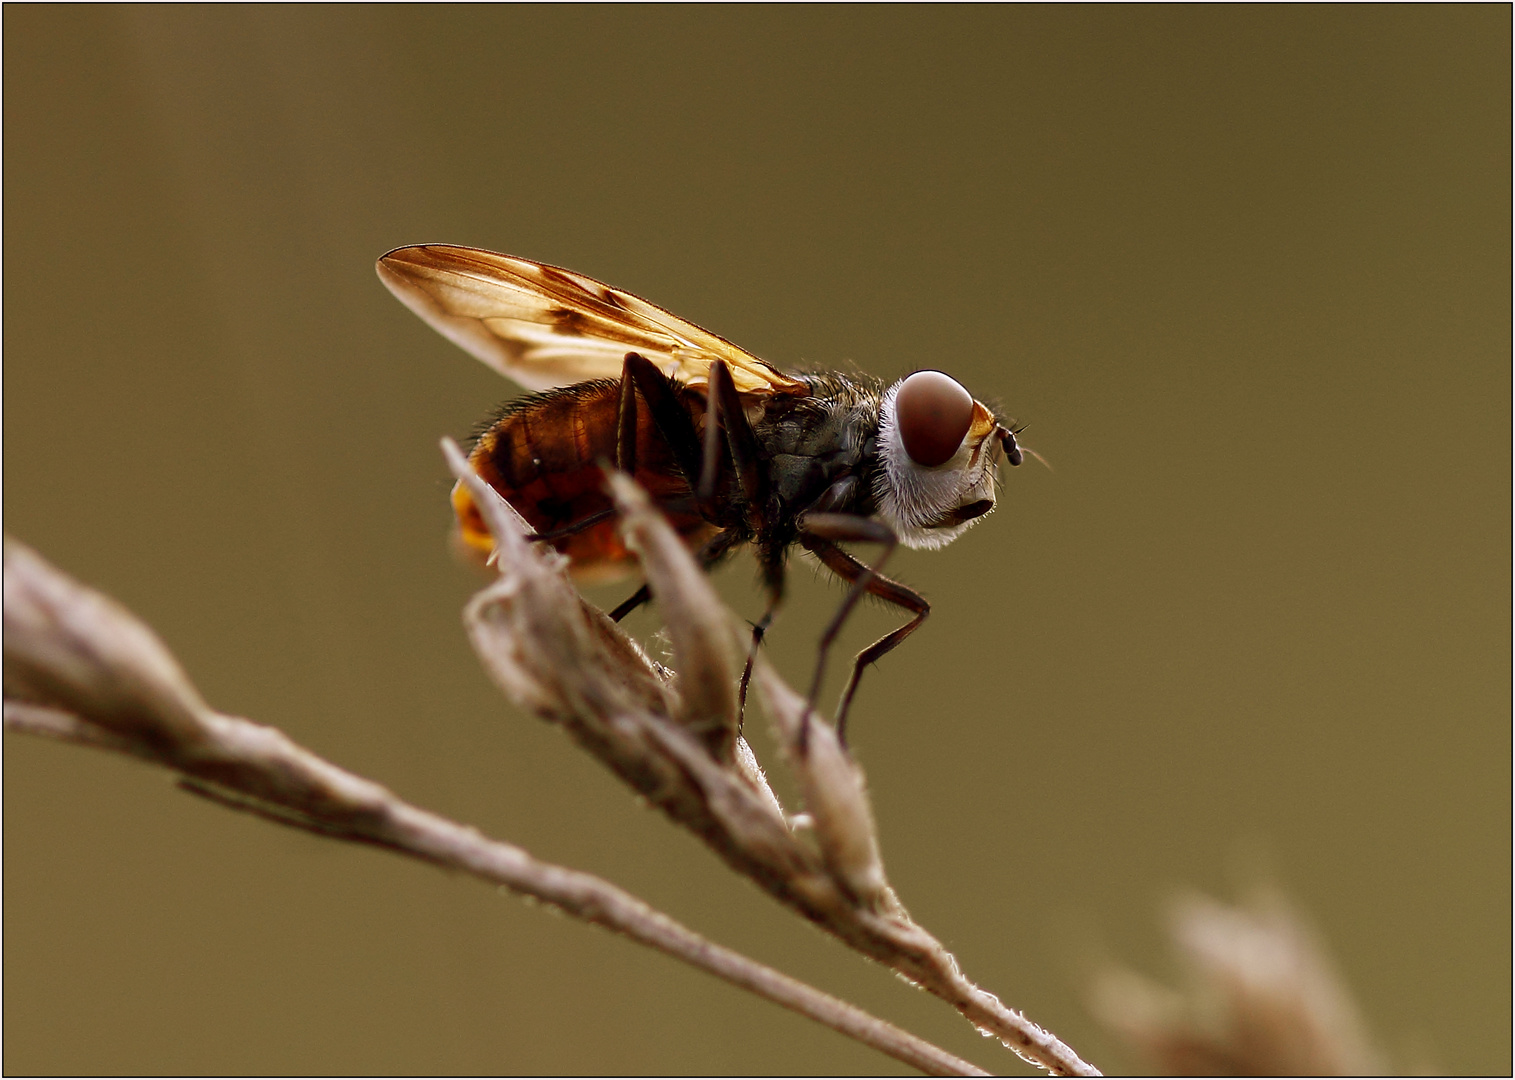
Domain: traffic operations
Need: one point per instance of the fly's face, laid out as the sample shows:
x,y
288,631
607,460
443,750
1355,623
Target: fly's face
x,y
938,450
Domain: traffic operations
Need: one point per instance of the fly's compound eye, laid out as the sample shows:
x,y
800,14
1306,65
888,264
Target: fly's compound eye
x,y
933,412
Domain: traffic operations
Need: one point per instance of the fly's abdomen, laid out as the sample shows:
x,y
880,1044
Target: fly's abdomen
x,y
544,457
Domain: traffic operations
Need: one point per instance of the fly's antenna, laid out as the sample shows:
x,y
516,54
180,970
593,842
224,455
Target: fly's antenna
x,y
1007,442
1014,449
1044,462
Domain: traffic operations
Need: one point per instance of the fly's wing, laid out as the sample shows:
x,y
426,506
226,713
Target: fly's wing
x,y
543,326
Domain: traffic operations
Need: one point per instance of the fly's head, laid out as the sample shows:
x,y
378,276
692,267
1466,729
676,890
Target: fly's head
x,y
940,450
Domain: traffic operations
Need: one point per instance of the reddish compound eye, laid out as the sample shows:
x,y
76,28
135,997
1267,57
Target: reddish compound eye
x,y
933,412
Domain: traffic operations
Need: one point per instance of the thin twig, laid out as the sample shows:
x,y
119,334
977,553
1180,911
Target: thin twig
x,y
81,669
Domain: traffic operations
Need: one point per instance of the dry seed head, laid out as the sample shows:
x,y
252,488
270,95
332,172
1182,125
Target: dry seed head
x,y
747,765
699,628
69,646
1264,998
835,794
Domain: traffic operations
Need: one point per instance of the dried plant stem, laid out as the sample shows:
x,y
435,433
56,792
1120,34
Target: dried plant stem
x,y
672,736
80,669
561,658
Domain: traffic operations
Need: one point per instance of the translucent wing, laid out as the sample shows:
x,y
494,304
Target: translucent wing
x,y
544,326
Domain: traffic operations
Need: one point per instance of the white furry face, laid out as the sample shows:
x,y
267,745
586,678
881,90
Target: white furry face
x,y
923,504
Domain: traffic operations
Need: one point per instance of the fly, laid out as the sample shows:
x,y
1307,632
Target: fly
x,y
732,450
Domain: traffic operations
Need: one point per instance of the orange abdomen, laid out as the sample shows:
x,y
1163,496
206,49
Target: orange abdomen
x,y
544,458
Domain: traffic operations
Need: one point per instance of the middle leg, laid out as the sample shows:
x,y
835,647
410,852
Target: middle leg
x,y
818,535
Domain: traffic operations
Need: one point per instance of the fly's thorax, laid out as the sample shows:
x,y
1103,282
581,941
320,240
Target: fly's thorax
x,y
812,442
929,506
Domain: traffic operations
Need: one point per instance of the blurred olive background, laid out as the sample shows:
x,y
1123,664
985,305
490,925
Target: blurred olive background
x,y
1244,273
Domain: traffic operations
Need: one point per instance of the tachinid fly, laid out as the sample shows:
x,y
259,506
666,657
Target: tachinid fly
x,y
732,450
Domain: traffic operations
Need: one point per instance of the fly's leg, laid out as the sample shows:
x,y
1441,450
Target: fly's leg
x,y
631,603
818,534
577,527
759,629
671,418
724,411
673,423
626,420
709,554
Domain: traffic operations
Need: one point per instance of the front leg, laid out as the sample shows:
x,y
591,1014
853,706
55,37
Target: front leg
x,y
818,533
